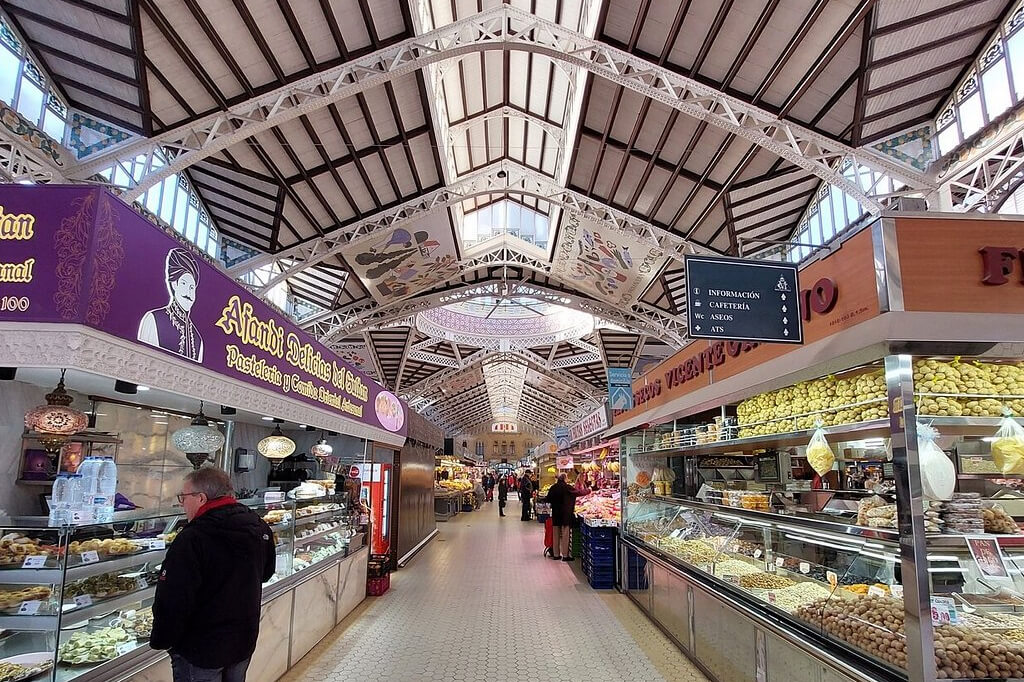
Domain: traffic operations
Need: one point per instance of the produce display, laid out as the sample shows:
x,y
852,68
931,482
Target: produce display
x,y
109,546
829,400
12,598
734,567
93,647
15,547
875,625
599,505
766,581
794,596
457,485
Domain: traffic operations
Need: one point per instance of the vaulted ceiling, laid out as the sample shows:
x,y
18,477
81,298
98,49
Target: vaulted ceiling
x,y
555,159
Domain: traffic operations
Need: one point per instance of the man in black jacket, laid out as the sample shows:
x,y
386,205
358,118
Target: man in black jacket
x,y
562,498
207,605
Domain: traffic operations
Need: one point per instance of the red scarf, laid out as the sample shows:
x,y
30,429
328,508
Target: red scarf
x,y
213,504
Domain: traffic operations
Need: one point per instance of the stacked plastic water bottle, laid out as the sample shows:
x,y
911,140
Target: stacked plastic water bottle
x,y
66,496
98,486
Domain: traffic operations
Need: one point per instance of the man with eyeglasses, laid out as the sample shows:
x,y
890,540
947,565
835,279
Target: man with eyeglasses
x,y
207,606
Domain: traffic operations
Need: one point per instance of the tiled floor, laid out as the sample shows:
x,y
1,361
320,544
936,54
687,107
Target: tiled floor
x,y
480,602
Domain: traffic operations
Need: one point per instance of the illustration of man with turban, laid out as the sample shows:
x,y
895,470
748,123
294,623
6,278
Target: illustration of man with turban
x,y
171,327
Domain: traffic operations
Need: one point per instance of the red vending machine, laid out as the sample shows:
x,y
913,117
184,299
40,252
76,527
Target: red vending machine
x,y
376,495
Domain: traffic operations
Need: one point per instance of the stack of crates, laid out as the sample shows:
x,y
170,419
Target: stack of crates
x,y
378,575
599,556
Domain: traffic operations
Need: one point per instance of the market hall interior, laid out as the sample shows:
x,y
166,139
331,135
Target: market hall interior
x,y
481,602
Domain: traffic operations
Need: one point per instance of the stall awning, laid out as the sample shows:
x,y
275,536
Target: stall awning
x,y
612,445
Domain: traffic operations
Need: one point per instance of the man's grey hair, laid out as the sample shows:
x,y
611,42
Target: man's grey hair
x,y
211,481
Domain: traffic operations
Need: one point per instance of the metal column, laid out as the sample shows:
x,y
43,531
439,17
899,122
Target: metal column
x,y
899,381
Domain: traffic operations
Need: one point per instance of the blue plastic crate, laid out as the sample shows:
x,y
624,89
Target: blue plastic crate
x,y
602,584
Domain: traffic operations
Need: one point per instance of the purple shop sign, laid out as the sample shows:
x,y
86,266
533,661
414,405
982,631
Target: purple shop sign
x,y
81,255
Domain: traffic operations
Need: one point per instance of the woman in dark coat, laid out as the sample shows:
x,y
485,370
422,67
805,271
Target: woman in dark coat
x,y
502,495
526,495
562,499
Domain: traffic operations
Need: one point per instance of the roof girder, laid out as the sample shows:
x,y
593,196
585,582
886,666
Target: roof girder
x,y
503,27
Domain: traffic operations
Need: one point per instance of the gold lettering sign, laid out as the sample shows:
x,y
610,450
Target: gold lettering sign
x,y
238,319
17,272
18,226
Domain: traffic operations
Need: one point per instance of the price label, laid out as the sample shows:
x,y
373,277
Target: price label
x,y
676,533
29,608
731,579
757,553
944,611
780,562
876,591
83,600
896,591
90,557
158,544
771,596
273,497
125,647
34,561
141,584
805,567
833,579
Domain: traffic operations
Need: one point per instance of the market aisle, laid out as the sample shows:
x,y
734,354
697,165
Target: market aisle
x,y
481,603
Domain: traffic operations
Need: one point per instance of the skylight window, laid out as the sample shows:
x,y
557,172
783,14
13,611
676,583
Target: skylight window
x,y
505,217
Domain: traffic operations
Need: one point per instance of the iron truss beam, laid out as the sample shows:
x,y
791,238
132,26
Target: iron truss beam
x,y
501,28
979,175
427,386
637,317
518,180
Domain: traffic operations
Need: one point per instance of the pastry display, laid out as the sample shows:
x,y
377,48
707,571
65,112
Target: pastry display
x,y
100,586
275,516
15,547
12,598
138,623
996,520
93,647
108,546
15,672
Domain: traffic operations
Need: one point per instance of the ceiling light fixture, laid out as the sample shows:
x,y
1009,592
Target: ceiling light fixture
x,y
198,440
276,446
267,419
56,420
322,450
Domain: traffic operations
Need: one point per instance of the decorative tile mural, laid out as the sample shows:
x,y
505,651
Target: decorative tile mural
x,y
407,259
612,266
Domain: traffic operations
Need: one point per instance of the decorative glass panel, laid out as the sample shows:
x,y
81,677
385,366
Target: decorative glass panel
x,y
9,68
30,100
971,119
8,37
33,73
997,90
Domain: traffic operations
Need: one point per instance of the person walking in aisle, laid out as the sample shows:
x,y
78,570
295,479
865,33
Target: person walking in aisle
x,y
206,611
489,486
502,496
562,499
478,493
526,489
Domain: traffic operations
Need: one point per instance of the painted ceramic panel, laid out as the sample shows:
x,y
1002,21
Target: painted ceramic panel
x,y
610,265
405,260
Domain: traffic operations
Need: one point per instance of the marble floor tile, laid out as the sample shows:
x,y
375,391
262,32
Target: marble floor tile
x,y
480,602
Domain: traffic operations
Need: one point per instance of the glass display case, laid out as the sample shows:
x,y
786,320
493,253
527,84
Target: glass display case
x,y
76,602
817,554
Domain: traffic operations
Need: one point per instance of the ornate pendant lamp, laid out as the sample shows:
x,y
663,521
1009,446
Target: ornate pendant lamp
x,y
56,421
198,440
322,450
276,446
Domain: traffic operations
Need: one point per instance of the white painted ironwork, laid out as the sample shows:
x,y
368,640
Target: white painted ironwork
x,y
21,163
980,175
369,314
503,27
518,180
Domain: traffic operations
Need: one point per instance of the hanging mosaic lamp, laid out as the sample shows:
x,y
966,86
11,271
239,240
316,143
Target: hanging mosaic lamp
x,y
322,449
276,446
56,420
198,440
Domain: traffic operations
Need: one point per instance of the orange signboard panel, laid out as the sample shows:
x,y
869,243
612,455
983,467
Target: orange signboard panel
x,y
962,265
